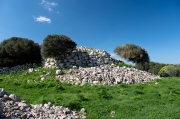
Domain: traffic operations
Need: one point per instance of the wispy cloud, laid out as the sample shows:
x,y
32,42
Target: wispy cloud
x,y
59,12
42,19
48,5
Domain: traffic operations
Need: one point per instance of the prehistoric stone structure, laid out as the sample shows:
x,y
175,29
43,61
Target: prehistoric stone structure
x,y
82,56
105,75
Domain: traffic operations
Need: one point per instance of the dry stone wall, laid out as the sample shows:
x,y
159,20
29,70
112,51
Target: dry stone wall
x,y
11,107
82,56
7,70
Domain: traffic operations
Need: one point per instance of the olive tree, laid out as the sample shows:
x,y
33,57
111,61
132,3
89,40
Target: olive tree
x,y
133,53
57,46
16,51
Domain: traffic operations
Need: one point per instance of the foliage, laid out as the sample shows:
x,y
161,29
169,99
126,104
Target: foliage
x,y
162,71
133,53
122,64
178,69
153,67
57,46
16,51
148,100
170,70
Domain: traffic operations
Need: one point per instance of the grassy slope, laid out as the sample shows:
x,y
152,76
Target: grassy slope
x,y
138,101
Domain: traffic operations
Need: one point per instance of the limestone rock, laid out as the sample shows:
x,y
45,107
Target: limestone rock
x,y
16,109
59,72
14,97
107,75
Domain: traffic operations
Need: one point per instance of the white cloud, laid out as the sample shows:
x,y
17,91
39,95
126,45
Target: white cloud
x,y
42,19
48,5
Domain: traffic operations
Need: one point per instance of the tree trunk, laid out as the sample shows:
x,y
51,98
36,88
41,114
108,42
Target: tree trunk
x,y
144,66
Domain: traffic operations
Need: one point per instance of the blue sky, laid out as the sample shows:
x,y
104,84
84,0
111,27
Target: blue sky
x,y
101,24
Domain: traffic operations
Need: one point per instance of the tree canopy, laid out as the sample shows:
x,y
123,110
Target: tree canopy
x,y
57,46
17,51
133,53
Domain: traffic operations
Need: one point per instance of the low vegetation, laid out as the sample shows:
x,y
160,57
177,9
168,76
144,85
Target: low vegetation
x,y
152,100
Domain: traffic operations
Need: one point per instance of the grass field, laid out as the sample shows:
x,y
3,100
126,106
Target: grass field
x,y
159,99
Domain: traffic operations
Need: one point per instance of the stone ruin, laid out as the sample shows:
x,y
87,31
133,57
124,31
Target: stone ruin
x,y
83,57
105,75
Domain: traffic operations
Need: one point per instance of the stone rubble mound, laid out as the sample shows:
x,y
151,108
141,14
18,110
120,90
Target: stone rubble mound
x,y
11,107
105,75
83,57
7,70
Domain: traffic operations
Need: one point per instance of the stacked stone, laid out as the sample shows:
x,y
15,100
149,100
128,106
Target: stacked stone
x,y
11,107
105,74
82,56
7,70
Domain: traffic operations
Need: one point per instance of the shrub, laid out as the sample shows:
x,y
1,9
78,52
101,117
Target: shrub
x,y
17,51
170,70
162,71
178,70
153,67
57,46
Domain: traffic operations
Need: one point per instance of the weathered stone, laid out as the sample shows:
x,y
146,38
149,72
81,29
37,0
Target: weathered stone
x,y
2,91
14,97
108,74
59,72
43,78
14,109
96,82
82,56
1,108
31,70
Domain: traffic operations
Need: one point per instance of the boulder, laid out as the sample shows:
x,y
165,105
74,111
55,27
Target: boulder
x,y
14,97
59,72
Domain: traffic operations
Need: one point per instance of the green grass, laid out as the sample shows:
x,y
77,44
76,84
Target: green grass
x,y
138,101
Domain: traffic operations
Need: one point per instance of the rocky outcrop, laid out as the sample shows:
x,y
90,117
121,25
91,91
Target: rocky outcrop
x,y
82,56
11,107
106,75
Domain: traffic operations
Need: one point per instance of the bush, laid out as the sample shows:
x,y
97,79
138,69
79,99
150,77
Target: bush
x,y
178,70
17,51
153,67
170,70
57,46
162,71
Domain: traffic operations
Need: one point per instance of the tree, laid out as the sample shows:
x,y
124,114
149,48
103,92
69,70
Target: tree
x,y
18,51
133,53
57,46
153,67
